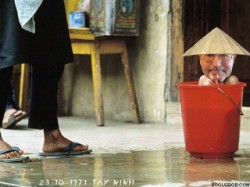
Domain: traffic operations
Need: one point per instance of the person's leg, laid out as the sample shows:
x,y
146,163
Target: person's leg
x,y
11,101
9,104
5,78
43,106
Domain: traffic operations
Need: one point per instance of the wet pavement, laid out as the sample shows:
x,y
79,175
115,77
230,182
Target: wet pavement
x,y
124,154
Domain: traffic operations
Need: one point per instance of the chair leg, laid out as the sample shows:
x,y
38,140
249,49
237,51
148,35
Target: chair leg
x,y
24,87
97,83
130,85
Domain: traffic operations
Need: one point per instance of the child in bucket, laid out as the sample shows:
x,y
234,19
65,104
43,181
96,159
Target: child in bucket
x,y
217,52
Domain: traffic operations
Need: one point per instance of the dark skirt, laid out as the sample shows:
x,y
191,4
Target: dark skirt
x,y
50,43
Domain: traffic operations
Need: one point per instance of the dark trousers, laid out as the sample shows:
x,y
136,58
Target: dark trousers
x,y
5,81
12,98
43,101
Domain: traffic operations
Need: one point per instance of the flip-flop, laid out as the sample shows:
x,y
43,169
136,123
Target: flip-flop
x,y
68,150
19,159
13,120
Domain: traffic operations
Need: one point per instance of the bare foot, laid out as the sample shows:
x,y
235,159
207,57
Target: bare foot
x,y
10,155
55,141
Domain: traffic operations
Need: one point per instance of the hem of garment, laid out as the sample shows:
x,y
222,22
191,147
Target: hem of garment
x,y
12,61
52,124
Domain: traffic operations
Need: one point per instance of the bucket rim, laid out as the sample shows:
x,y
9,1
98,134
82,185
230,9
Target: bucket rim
x,y
191,84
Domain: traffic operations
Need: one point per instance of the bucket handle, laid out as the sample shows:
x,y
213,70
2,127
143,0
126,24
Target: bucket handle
x,y
231,100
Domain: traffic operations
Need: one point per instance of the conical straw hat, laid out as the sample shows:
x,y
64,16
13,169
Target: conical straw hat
x,y
216,42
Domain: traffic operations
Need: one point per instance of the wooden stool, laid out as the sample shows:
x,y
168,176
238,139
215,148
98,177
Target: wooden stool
x,y
85,43
24,87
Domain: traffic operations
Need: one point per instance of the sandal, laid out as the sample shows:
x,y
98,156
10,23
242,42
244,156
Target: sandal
x,y
14,119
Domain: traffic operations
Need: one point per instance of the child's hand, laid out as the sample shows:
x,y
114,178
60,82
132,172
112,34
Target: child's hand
x,y
210,80
214,78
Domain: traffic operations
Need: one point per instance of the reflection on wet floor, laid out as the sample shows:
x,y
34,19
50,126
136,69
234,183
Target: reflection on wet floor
x,y
171,167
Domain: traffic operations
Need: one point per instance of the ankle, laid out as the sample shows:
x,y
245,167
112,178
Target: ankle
x,y
52,134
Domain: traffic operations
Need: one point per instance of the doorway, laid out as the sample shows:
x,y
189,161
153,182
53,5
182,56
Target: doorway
x,y
233,17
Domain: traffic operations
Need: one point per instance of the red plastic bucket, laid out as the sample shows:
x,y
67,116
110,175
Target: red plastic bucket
x,y
211,118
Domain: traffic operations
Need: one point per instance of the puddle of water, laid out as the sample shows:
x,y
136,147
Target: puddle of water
x,y
172,167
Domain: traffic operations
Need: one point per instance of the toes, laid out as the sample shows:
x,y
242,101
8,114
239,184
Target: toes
x,y
82,147
13,154
86,147
20,152
24,113
18,113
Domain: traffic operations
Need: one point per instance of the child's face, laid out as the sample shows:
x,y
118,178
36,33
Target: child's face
x,y
217,66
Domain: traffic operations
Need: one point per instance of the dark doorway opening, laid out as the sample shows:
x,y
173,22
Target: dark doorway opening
x,y
233,17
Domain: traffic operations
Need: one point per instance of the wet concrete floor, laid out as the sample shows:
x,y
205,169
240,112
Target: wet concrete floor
x,y
124,154
170,167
